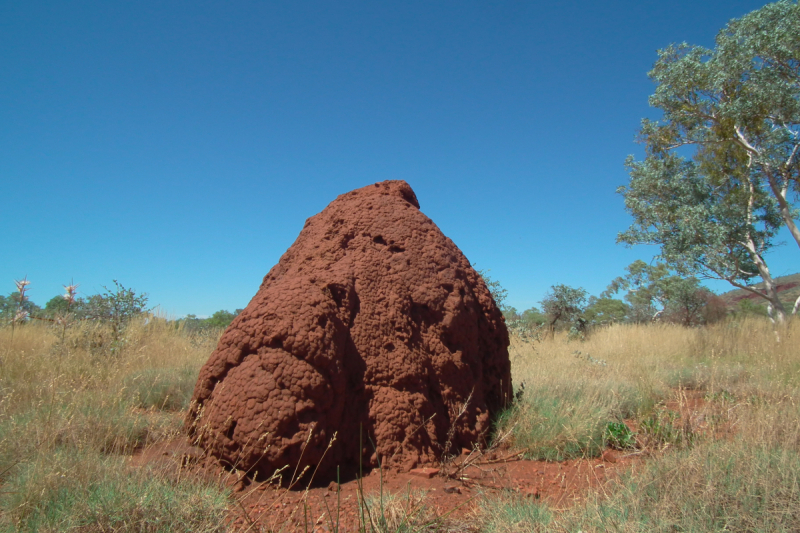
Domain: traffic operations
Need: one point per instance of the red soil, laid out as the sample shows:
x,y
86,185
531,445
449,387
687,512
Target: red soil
x,y
451,492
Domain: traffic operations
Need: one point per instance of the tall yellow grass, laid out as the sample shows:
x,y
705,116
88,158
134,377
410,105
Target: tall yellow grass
x,y
733,355
737,465
73,411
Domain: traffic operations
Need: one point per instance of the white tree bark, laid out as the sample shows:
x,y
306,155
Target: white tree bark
x,y
770,291
779,190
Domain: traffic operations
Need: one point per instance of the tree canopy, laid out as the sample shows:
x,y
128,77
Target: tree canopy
x,y
564,304
653,291
737,109
604,311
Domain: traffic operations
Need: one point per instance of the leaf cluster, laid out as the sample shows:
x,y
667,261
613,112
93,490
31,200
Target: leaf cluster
x,y
10,305
654,291
721,174
219,320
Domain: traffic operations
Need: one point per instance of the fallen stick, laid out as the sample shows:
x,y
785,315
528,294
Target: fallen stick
x,y
503,459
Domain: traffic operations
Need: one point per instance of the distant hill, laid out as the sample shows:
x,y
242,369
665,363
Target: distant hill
x,y
788,290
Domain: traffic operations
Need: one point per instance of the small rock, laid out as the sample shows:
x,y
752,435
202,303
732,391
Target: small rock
x,y
332,487
465,451
424,472
609,456
452,490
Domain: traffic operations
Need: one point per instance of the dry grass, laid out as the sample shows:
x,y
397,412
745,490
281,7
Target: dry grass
x,y
73,410
74,405
734,465
409,512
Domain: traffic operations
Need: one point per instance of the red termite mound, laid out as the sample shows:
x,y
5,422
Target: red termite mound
x,y
372,327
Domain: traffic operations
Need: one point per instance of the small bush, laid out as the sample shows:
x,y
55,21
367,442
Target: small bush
x,y
556,427
619,436
665,428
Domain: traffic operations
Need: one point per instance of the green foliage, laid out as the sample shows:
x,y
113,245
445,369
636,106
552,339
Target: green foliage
x,y
738,106
700,231
654,292
747,307
117,306
533,317
619,436
603,311
499,294
527,326
564,305
120,305
510,313
9,305
57,305
219,320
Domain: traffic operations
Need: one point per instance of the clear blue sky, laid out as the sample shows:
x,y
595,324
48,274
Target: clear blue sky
x,y
179,146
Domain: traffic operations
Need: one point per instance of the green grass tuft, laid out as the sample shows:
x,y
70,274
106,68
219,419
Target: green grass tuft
x,y
86,491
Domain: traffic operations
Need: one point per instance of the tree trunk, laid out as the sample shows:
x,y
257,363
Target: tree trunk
x,y
784,207
770,292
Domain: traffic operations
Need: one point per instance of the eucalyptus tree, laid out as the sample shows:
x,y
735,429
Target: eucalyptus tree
x,y
563,304
604,311
653,291
736,109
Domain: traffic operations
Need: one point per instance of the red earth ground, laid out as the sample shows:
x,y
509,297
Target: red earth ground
x,y
451,492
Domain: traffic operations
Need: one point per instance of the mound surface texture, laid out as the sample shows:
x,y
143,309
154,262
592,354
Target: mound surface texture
x,y
373,327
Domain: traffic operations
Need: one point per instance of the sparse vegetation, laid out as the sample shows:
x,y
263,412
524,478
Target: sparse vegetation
x,y
73,411
730,461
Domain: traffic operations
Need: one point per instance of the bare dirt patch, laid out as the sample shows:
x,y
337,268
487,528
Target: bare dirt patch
x,y
559,484
448,492
442,493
